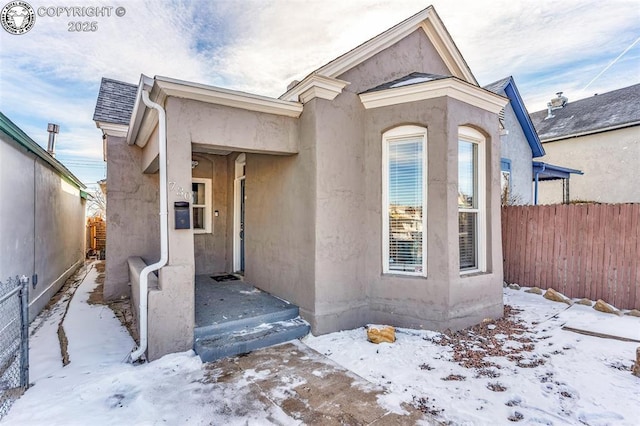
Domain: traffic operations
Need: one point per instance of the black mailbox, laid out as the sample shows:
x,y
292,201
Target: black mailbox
x,y
182,215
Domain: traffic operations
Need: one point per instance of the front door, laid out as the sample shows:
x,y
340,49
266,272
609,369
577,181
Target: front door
x,y
239,196
242,231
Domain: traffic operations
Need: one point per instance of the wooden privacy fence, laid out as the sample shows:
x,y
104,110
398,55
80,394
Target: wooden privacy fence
x,y
581,250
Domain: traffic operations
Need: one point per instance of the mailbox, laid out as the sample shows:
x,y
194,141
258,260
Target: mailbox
x,y
181,209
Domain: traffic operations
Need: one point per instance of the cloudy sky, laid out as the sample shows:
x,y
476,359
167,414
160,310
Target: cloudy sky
x,y
52,75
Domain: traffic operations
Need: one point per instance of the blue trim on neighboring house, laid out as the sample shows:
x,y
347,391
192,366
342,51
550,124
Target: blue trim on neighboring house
x,y
523,118
545,171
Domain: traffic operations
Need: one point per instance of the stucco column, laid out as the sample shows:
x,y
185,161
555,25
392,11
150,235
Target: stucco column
x,y
172,307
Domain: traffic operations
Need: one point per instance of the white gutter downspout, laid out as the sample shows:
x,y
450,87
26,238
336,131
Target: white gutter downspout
x,y
164,228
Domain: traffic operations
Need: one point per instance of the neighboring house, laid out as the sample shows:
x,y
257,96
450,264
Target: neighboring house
x,y
519,145
599,135
41,216
369,192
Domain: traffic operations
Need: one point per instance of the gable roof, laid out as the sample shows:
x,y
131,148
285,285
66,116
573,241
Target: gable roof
x,y
17,134
508,86
115,102
599,113
427,20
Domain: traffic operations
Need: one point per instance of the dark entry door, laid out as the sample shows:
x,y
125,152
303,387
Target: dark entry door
x,y
242,234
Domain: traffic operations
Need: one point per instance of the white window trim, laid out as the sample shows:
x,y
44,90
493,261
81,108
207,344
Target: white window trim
x,y
207,206
467,134
395,134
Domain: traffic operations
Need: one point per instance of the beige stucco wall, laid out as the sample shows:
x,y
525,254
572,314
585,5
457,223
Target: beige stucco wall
x,y
609,161
280,230
41,223
210,249
133,221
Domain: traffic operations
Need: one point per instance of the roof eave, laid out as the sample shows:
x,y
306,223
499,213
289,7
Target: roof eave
x,y
590,132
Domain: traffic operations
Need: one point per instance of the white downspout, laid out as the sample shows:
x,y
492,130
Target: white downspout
x,y
164,228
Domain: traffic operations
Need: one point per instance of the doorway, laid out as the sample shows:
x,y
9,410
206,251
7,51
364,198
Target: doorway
x,y
239,233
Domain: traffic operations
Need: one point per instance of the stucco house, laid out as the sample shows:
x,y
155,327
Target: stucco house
x,y
519,145
369,192
41,216
599,135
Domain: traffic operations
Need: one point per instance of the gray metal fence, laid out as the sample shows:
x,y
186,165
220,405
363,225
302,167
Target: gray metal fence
x,y
14,340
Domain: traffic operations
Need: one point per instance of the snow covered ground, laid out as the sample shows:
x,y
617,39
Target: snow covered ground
x,y
537,374
548,376
98,387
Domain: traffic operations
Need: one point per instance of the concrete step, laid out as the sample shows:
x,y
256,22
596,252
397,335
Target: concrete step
x,y
283,314
236,342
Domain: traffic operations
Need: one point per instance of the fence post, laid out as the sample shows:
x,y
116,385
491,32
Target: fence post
x,y
24,344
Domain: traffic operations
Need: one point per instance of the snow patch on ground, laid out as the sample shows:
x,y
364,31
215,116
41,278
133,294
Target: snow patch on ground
x,y
566,378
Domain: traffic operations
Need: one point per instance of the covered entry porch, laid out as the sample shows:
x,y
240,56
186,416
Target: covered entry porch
x,y
209,133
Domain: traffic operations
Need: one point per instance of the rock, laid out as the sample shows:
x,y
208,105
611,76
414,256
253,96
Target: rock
x,y
534,290
633,313
635,370
504,284
585,302
378,335
603,306
514,286
553,295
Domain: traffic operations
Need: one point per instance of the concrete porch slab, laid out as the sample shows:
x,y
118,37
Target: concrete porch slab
x,y
218,303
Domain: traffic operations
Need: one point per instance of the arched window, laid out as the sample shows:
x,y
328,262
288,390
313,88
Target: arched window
x,y
404,198
471,200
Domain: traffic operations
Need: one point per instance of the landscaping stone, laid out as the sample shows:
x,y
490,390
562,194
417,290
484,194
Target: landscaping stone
x,y
514,286
378,335
505,284
635,370
534,290
554,296
585,302
603,306
633,313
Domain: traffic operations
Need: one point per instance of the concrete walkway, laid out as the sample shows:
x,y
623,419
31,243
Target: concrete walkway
x,y
312,389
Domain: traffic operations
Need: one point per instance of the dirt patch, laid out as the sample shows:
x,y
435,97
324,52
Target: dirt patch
x,y
491,338
64,344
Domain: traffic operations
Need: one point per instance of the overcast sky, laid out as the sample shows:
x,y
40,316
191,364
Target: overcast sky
x,y
52,75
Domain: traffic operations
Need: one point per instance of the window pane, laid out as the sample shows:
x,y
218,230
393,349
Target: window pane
x,y
405,205
197,189
198,218
467,174
467,232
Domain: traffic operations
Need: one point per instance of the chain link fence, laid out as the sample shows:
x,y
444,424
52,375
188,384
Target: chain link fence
x,y
14,340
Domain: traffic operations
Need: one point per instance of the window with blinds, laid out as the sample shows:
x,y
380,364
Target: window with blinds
x,y
470,199
404,189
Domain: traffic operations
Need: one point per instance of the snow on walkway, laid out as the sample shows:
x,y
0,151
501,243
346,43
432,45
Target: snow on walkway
x,y
558,378
99,388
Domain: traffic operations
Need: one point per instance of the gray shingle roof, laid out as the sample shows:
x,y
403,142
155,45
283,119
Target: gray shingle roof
x,y
408,80
497,87
115,101
619,108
